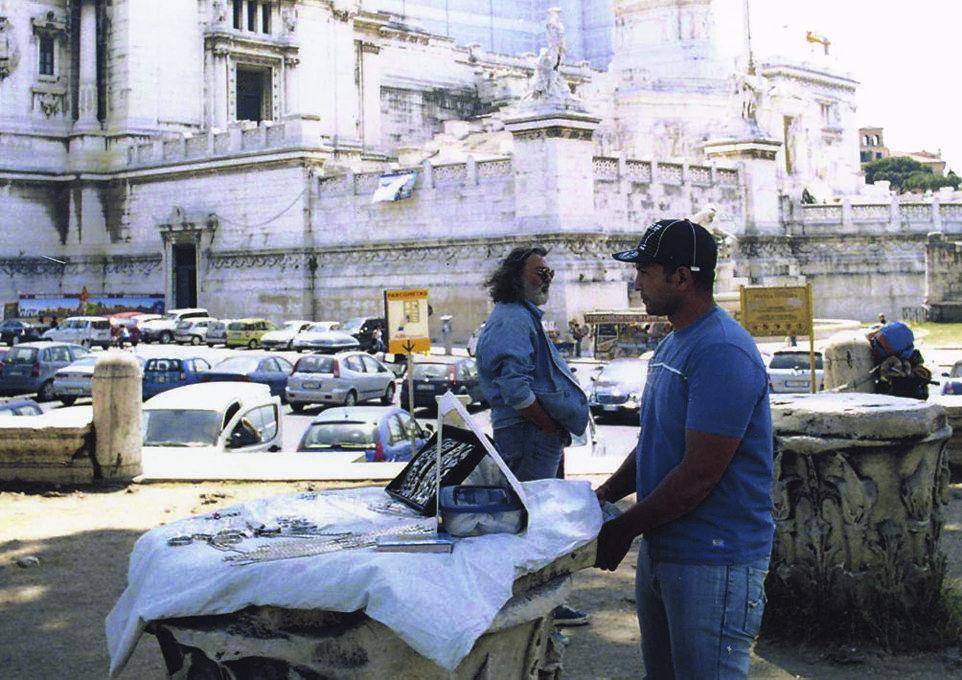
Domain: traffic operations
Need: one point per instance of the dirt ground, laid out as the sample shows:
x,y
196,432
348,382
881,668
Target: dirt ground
x,y
52,616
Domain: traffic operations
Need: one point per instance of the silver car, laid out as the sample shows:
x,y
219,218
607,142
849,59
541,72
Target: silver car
x,y
790,371
217,333
74,381
618,387
192,331
320,337
345,379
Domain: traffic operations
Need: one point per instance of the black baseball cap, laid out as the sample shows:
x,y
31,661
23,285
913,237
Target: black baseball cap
x,y
678,243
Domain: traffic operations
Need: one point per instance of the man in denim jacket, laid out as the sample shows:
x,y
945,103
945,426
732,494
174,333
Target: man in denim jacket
x,y
536,403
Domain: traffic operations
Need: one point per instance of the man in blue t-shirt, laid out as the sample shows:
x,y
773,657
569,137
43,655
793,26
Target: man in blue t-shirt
x,y
702,471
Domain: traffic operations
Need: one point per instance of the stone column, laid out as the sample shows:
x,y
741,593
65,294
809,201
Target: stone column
x,y
759,176
370,95
849,363
116,392
291,81
861,481
87,92
220,63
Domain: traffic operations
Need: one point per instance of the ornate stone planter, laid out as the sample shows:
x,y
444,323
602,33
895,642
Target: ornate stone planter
x,y
952,403
861,480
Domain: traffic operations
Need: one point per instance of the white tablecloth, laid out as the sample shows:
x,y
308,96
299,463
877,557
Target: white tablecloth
x,y
440,604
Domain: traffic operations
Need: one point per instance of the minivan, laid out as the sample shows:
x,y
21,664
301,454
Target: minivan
x,y
82,330
30,367
247,332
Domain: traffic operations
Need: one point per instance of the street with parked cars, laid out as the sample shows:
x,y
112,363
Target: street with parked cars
x,y
311,386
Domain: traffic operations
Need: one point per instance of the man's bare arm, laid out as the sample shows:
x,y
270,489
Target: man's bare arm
x,y
707,456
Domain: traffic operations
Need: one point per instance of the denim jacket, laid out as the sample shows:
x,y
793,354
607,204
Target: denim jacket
x,y
518,364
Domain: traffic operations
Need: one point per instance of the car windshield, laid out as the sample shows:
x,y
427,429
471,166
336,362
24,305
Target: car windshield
x,y
315,364
353,325
180,427
236,326
171,316
292,325
21,355
342,435
794,360
184,324
163,365
238,365
624,372
85,361
431,371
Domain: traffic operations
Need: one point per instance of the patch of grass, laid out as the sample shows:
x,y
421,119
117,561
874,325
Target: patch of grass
x,y
938,334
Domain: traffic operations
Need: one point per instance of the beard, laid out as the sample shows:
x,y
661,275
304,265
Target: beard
x,y
659,307
536,295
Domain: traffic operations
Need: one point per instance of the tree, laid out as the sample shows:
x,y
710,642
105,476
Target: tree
x,y
906,174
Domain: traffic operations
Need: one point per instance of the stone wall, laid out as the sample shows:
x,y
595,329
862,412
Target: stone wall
x,y
56,447
943,278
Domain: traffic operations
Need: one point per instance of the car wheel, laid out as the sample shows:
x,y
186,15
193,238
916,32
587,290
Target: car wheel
x,y
85,344
211,345
290,345
252,344
166,337
68,401
14,340
351,399
297,408
195,339
45,393
388,397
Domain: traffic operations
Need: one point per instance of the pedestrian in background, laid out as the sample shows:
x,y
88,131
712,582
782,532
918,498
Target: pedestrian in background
x,y
536,403
702,470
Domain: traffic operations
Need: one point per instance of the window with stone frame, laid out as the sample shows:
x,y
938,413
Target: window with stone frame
x,y
47,47
253,93
253,16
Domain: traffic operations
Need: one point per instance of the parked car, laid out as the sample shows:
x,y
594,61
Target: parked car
x,y
618,387
473,340
320,337
953,383
20,407
346,378
588,444
383,433
88,331
192,331
362,328
163,374
15,331
283,337
258,368
162,329
247,332
30,367
217,332
435,375
75,381
789,371
212,417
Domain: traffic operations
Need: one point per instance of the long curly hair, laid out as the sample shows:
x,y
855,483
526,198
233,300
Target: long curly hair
x,y
505,283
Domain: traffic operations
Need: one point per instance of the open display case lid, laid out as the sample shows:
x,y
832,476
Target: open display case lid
x,y
460,450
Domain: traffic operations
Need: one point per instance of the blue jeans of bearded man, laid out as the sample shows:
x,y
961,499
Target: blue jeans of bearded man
x,y
529,452
698,621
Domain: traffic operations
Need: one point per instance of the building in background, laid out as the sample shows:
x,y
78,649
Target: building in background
x,y
225,153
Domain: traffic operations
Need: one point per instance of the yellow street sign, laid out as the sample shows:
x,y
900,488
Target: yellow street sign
x,y
406,312
776,310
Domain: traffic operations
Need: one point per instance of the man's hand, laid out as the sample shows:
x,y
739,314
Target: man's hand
x,y
613,544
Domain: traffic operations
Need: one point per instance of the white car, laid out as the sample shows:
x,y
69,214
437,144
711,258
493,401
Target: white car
x,y
789,371
212,417
283,337
82,330
162,330
76,380
321,337
192,331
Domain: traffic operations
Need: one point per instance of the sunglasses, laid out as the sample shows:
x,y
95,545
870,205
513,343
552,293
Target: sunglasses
x,y
544,274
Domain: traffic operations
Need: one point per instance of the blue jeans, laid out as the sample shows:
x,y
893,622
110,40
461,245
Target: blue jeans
x,y
698,621
529,452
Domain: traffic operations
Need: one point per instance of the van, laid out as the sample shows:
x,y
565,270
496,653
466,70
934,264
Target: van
x,y
247,332
87,331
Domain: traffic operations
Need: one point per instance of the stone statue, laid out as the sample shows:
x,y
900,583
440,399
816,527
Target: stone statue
x,y
748,89
219,12
9,52
289,18
555,32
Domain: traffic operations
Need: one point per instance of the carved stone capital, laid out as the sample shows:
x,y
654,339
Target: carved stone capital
x,y
51,25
